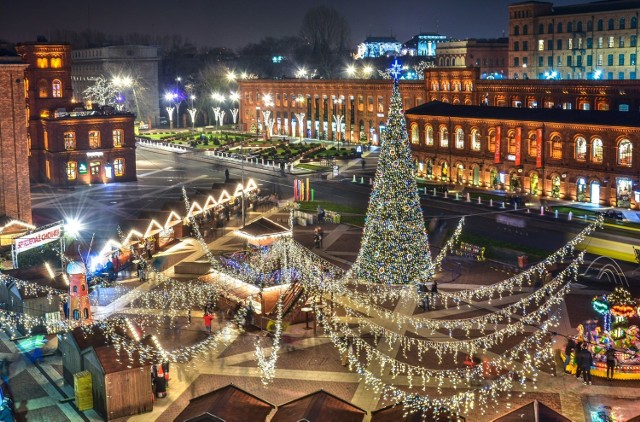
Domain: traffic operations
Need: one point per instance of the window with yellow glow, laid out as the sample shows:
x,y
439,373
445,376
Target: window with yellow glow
x,y
597,153
56,88
42,62
491,145
428,135
444,137
56,62
556,148
72,170
459,138
46,139
94,139
47,167
533,147
118,167
581,149
625,153
69,140
415,136
117,138
475,140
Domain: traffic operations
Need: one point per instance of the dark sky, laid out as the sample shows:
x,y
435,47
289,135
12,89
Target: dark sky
x,y
234,23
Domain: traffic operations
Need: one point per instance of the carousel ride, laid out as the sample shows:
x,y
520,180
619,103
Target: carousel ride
x,y
410,359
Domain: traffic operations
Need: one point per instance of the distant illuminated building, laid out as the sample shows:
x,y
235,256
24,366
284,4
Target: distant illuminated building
x,y
374,47
423,45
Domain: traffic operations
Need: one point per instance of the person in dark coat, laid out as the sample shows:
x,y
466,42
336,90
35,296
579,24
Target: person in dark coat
x,y
611,362
585,360
226,175
568,349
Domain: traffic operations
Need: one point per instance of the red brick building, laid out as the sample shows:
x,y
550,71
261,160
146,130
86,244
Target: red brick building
x,y
68,143
15,197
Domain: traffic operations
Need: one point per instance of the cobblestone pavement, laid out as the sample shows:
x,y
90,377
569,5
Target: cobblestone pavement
x,y
312,362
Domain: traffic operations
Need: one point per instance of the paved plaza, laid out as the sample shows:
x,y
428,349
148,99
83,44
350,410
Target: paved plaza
x,y
311,361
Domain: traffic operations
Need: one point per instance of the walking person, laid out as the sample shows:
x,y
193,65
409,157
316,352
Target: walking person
x,y
363,163
568,349
611,361
434,293
226,175
585,361
423,290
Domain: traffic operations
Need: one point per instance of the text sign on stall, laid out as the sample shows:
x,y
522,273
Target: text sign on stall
x,y
39,238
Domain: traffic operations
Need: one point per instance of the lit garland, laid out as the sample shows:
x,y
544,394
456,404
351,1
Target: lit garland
x,y
448,247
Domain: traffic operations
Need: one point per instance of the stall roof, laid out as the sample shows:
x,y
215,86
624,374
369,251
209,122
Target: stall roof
x,y
534,412
113,362
228,404
397,413
263,227
317,407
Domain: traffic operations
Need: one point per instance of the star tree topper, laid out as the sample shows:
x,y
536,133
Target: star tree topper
x,y
396,70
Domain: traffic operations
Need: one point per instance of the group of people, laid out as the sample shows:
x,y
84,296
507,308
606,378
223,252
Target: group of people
x,y
428,295
584,360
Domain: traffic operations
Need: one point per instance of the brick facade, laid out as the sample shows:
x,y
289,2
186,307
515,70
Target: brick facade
x,y
15,197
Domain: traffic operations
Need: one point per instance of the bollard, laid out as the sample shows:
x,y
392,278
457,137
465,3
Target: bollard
x,y
354,178
479,200
434,191
570,216
446,194
468,197
502,206
457,196
425,190
362,180
556,213
490,202
542,210
515,206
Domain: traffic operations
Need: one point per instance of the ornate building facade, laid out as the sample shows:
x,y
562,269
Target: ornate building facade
x,y
586,156
489,55
597,40
15,196
69,144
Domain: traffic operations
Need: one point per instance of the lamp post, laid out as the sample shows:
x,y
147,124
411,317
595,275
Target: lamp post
x,y
128,82
268,102
234,97
192,112
338,117
300,118
217,98
170,113
174,98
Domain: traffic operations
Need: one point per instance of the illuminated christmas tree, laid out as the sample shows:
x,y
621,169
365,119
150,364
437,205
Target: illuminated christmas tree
x,y
394,249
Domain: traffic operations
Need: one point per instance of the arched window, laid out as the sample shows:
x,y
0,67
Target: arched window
x,y
511,145
516,46
579,26
42,62
525,30
86,313
118,167
516,30
75,289
556,147
600,25
581,149
589,26
559,28
541,29
475,140
570,27
117,138
43,88
444,137
634,22
428,135
94,139
415,134
491,145
56,62
76,314
610,26
56,88
625,150
550,28
532,149
596,151
622,23
459,138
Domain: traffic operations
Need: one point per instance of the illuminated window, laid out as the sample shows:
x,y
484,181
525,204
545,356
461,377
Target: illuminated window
x,y
42,62
459,138
581,149
94,139
94,167
370,104
47,167
596,151
380,104
444,137
56,88
429,135
491,145
540,45
56,62
72,170
475,140
511,146
556,148
69,140
118,167
46,139
43,88
360,103
625,150
415,135
117,138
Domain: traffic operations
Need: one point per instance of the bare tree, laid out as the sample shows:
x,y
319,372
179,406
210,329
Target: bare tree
x,y
102,92
327,32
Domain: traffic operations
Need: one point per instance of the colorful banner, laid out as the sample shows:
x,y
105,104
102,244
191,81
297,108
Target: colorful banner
x,y
307,190
539,145
40,238
295,189
497,159
518,145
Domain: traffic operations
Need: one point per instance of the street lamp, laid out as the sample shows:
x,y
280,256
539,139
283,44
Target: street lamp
x,y
192,112
128,82
217,98
338,117
234,97
300,118
268,102
174,98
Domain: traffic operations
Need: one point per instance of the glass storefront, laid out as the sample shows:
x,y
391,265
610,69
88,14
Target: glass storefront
x,y
476,175
555,186
533,183
444,172
595,192
581,190
495,178
624,187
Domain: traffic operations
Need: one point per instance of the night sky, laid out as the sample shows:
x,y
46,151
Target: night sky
x,y
234,23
